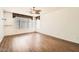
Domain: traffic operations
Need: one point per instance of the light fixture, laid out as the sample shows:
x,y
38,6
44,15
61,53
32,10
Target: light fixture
x,y
35,10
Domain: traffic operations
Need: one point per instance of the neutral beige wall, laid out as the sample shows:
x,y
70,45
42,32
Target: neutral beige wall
x,y
63,23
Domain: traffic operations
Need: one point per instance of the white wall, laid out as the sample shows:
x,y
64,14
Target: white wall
x,y
10,25
1,29
63,23
1,25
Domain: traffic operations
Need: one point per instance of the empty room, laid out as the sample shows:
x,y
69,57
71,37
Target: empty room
x,y
39,29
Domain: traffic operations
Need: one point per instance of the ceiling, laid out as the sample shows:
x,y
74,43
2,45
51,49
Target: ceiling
x,y
26,10
49,9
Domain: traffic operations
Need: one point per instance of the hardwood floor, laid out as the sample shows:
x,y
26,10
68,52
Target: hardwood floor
x,y
36,42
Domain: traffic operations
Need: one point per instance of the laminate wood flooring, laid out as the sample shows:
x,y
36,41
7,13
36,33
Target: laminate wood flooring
x,y
36,42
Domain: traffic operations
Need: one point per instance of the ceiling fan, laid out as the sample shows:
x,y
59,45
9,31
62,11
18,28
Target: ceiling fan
x,y
34,10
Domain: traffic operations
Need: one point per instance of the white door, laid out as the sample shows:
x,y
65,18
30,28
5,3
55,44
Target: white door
x,y
1,29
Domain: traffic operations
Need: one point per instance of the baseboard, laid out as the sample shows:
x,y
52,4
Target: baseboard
x,y
45,35
58,38
21,33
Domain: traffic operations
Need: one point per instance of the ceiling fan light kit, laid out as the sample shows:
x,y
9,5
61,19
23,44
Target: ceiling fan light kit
x,y
35,11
